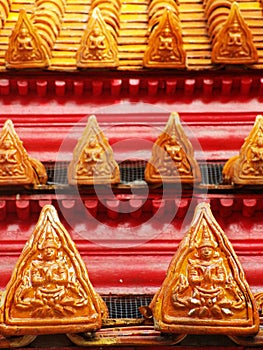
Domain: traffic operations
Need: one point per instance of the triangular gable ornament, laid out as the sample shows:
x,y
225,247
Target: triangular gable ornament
x,y
247,167
233,44
25,49
172,158
165,47
205,290
16,167
93,160
98,48
49,291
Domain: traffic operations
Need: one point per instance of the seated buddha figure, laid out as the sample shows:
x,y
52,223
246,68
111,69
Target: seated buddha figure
x,y
93,162
253,164
48,287
97,47
166,49
9,159
173,160
235,44
203,290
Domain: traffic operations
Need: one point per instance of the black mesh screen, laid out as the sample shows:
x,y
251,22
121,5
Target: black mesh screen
x,y
133,172
57,173
211,173
126,306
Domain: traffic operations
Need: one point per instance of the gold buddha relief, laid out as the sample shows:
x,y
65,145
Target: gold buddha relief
x,y
98,46
25,48
233,43
205,290
172,156
50,291
93,161
16,167
165,47
247,167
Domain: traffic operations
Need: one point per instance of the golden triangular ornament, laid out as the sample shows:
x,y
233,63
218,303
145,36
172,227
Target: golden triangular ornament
x,y
247,167
49,290
25,49
165,47
205,290
98,48
93,161
233,44
16,167
172,158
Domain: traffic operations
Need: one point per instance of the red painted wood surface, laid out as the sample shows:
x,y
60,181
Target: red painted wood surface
x,y
127,238
130,255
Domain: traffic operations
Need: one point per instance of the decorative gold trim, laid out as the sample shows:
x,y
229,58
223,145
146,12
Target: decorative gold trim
x,y
126,336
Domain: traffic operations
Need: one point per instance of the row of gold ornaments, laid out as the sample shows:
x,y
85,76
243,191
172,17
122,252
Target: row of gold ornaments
x,y
204,291
172,159
34,36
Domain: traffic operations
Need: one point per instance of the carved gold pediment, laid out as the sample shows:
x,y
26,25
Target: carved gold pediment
x,y
247,167
205,290
172,156
98,47
165,47
49,290
233,44
93,161
16,167
25,49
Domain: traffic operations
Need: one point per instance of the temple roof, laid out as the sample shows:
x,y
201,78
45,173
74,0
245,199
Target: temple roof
x,y
193,28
